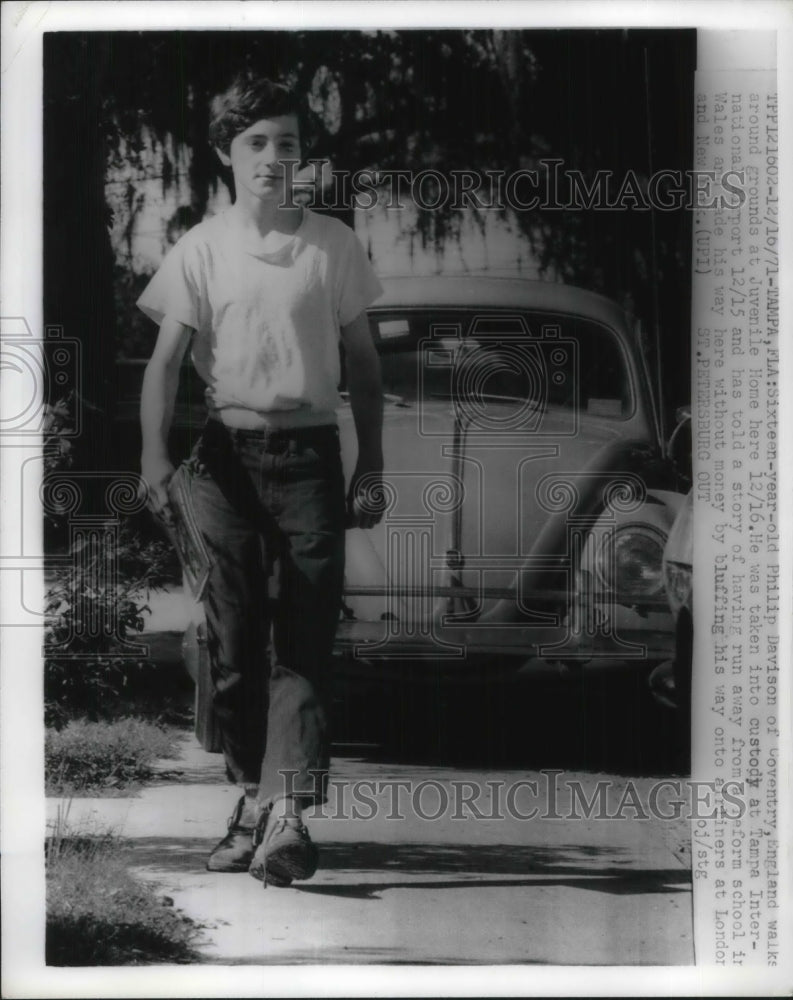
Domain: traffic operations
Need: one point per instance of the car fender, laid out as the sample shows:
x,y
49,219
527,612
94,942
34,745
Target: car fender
x,y
658,511
584,504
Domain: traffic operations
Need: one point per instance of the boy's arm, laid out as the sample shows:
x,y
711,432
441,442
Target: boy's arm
x,y
366,399
160,384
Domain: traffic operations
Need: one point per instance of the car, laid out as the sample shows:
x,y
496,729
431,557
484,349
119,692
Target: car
x,y
528,488
670,681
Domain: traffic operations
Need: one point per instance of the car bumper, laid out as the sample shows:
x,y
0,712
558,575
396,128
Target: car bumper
x,y
591,636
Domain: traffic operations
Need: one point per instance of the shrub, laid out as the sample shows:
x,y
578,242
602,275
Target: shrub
x,y
94,605
57,433
88,756
99,914
97,594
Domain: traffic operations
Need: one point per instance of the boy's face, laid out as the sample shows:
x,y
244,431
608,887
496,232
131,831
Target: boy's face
x,y
256,156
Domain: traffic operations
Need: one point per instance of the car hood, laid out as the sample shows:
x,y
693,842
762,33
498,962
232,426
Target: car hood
x,y
488,498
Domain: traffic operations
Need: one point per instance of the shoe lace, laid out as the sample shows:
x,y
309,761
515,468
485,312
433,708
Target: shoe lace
x,y
280,823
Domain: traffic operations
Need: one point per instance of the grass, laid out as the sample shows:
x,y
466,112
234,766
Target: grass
x,y
99,914
89,758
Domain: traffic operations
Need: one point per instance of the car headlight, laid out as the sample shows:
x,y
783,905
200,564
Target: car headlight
x,y
677,579
630,561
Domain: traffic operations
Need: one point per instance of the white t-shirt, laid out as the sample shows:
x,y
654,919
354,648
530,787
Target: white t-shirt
x,y
267,324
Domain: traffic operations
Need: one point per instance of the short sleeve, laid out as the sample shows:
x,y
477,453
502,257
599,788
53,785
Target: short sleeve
x,y
358,285
174,291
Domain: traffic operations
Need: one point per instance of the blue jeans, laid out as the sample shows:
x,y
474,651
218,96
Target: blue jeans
x,y
271,507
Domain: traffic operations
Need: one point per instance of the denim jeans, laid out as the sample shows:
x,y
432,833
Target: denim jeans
x,y
271,507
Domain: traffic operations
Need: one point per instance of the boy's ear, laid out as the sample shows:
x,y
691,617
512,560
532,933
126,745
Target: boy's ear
x,y
224,158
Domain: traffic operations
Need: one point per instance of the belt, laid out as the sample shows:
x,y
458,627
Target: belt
x,y
273,437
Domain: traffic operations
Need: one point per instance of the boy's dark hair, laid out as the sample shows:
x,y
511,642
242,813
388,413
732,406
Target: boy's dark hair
x,y
247,100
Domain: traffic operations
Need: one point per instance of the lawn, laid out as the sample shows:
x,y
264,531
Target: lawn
x,y
98,913
104,757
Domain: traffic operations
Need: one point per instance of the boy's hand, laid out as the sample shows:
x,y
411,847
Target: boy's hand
x,y
366,499
156,474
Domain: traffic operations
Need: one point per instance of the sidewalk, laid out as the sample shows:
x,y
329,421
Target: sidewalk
x,y
413,890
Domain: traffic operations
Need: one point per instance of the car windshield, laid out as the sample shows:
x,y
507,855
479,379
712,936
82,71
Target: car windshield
x,y
503,360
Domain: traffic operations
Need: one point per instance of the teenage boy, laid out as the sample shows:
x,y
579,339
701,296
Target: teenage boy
x,y
263,292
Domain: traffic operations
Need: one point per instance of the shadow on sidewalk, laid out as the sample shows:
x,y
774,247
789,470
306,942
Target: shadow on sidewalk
x,y
395,866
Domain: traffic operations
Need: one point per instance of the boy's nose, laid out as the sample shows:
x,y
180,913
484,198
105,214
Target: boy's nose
x,y
266,156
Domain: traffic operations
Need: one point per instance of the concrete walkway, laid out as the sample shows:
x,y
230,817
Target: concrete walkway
x,y
413,890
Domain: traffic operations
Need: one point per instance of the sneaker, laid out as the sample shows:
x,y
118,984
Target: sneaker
x,y
235,851
284,851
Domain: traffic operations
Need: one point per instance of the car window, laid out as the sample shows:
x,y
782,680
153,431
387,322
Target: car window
x,y
503,360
